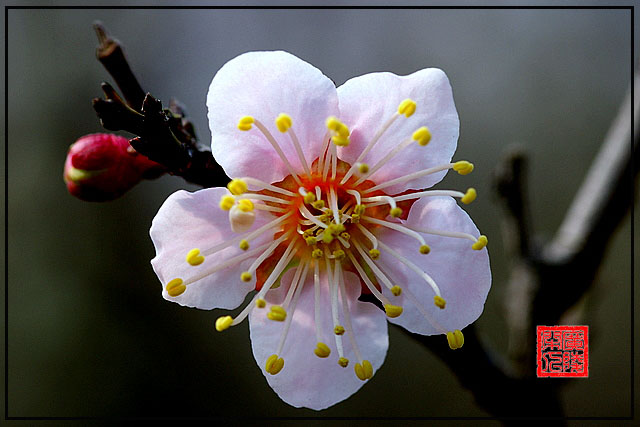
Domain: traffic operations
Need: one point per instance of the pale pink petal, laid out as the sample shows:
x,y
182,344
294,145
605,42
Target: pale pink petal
x,y
263,85
368,101
462,274
194,220
307,380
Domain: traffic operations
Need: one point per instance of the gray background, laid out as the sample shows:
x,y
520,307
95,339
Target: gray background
x,y
90,335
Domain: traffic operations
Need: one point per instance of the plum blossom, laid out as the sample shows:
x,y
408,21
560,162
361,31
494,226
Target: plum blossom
x,y
328,202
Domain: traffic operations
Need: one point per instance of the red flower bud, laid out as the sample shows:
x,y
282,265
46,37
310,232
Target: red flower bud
x,y
101,167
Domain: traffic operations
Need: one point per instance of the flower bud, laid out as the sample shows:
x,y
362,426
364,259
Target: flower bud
x,y
101,167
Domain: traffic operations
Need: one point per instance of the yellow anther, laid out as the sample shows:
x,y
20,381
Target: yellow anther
x,y
246,276
439,302
338,330
337,126
336,228
340,141
355,218
309,198
363,168
339,254
245,205
311,241
274,364
425,249
284,122
194,258
364,371
328,212
322,350
395,212
237,187
227,202
277,313
244,245
223,323
345,235
317,253
469,196
318,204
407,107
463,167
260,303
396,290
343,361
480,243
327,237
422,135
392,310
359,209
456,339
374,253
245,123
175,287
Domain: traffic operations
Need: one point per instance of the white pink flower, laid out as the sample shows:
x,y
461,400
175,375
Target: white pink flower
x,y
327,203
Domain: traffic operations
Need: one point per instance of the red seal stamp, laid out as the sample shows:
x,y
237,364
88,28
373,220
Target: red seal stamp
x,y
563,351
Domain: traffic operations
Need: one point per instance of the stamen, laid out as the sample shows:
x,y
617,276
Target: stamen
x,y
264,197
455,339
363,168
355,194
248,237
368,235
463,167
323,153
395,226
413,267
267,253
334,161
227,202
327,162
422,311
379,200
276,147
316,299
418,136
333,289
231,261
258,183
305,213
363,370
288,255
322,350
333,203
378,273
345,312
367,281
237,186
223,323
481,243
194,257
409,177
175,287
298,280
318,193
456,234
406,108
284,124
274,364
268,208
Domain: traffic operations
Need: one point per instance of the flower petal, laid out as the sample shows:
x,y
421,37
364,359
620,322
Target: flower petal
x,y
368,101
263,85
462,274
194,220
307,380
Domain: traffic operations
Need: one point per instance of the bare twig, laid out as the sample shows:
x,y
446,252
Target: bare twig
x,y
163,135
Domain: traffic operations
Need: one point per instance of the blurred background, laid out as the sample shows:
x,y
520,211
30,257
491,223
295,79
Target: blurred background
x,y
89,333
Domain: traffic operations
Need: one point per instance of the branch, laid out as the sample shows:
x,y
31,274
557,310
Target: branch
x,y
163,135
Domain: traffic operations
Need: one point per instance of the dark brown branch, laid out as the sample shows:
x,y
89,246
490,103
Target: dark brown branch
x,y
163,135
111,56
